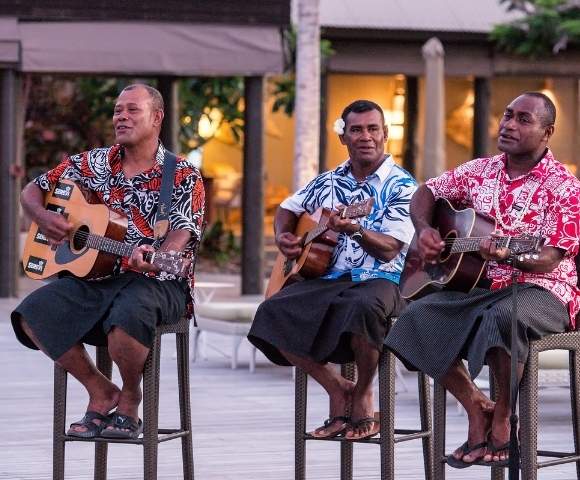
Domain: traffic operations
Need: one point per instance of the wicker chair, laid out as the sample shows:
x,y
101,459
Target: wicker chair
x,y
528,415
152,435
389,435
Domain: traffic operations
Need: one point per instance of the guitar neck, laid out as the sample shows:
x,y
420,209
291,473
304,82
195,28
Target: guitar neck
x,y
471,244
314,233
104,244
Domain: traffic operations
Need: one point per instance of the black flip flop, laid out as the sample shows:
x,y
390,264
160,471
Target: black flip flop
x,y
92,429
124,427
494,450
328,422
465,450
374,424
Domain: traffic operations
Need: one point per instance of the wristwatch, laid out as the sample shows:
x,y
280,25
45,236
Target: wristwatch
x,y
358,234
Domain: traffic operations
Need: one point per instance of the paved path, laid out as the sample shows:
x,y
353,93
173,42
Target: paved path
x,y
243,423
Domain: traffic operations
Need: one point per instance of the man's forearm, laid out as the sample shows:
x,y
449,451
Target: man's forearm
x,y
32,201
176,240
285,221
422,207
380,245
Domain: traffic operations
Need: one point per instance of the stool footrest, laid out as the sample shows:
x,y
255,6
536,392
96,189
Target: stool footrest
x,y
164,434
405,435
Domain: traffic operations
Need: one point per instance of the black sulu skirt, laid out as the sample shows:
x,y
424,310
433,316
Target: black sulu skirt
x,y
72,310
315,318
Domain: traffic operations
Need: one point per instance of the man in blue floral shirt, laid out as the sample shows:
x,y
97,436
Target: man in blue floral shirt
x,y
342,316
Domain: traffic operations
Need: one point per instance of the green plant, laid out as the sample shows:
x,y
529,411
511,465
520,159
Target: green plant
x,y
283,88
66,115
212,101
546,27
219,244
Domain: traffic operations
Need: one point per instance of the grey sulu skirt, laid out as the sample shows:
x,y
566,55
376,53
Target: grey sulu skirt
x,y
435,330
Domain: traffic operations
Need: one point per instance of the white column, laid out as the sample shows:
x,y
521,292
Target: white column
x,y
307,106
434,142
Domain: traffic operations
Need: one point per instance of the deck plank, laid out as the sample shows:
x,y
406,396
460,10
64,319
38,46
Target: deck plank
x,y
243,423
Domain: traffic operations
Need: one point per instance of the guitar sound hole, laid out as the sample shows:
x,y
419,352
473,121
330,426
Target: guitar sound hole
x,y
79,240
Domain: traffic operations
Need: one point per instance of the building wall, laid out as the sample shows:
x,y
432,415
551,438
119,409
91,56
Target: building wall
x,y
222,158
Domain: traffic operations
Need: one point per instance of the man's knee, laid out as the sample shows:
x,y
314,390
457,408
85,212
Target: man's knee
x,y
121,344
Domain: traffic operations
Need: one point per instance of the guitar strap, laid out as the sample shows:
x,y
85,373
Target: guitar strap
x,y
168,173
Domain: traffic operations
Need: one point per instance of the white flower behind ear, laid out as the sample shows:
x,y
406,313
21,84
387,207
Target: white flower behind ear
x,y
338,126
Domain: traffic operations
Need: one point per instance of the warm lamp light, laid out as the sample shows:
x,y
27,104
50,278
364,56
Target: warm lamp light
x,y
209,122
396,132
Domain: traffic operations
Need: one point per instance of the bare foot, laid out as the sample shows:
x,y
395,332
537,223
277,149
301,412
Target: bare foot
x,y
128,406
339,410
363,414
480,421
498,441
102,402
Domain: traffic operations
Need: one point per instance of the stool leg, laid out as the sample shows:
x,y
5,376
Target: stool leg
x,y
300,398
439,427
105,365
59,415
252,359
150,410
529,417
236,340
574,387
426,424
182,347
497,473
387,414
348,371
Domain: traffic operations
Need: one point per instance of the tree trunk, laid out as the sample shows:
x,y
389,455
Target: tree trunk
x,y
307,110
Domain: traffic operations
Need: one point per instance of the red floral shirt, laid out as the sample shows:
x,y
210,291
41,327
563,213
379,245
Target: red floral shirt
x,y
552,212
100,171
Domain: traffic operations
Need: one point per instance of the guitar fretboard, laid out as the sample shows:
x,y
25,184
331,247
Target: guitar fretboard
x,y
108,245
352,211
471,244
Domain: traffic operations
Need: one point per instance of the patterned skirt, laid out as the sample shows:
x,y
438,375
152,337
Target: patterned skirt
x,y
435,330
315,318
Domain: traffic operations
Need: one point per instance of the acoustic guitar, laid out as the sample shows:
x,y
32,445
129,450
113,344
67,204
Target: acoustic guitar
x,y
95,242
318,243
460,266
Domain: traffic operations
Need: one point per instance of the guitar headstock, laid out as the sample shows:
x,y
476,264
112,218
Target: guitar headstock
x,y
526,244
172,262
360,209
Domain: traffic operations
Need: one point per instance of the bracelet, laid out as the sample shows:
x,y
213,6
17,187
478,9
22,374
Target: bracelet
x,y
358,235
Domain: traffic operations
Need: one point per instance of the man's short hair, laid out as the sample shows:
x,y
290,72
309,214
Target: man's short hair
x,y
361,106
156,98
548,118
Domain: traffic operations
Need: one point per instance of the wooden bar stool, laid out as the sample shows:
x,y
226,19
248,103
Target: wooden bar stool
x,y
152,434
528,415
389,435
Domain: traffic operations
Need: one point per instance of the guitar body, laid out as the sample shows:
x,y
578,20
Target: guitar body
x,y
314,259
41,261
457,271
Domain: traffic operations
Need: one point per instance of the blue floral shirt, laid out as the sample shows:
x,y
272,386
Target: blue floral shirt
x,y
392,188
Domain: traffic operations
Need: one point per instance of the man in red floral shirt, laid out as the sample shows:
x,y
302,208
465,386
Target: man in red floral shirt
x,y
120,311
527,191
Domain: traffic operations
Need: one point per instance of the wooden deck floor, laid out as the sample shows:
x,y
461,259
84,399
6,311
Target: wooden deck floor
x,y
243,422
